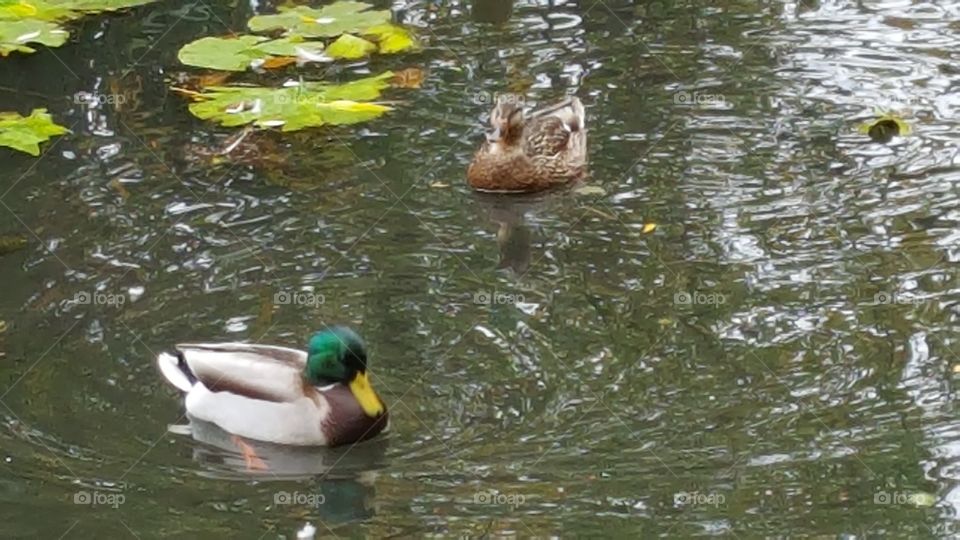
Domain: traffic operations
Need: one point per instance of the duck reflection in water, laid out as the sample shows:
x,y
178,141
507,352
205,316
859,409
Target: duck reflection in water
x,y
511,214
342,487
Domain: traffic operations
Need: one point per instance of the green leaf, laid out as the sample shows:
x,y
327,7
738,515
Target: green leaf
x,y
98,6
238,53
15,35
308,104
25,9
350,47
228,54
328,21
34,21
26,133
60,10
291,46
392,38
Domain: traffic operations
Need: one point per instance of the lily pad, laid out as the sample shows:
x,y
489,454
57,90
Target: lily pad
x,y
392,38
328,21
35,21
350,47
26,133
239,53
23,9
16,35
291,108
97,6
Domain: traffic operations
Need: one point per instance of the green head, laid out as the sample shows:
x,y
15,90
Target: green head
x,y
337,355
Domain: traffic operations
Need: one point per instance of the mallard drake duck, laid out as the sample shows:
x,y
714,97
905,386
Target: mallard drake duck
x,y
521,154
321,397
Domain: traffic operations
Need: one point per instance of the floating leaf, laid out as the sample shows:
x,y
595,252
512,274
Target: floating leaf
x,y
96,6
291,46
34,21
408,78
885,128
9,244
392,38
589,190
26,133
291,108
15,35
22,9
228,54
649,227
240,52
328,21
350,47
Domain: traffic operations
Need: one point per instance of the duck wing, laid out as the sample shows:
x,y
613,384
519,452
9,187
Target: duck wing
x,y
555,129
263,372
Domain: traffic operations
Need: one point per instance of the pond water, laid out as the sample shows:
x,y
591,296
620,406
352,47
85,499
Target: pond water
x,y
778,358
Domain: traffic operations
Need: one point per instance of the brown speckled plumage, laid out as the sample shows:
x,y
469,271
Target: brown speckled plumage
x,y
547,150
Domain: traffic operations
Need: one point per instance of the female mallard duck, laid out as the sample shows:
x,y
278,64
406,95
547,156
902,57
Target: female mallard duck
x,y
321,397
547,150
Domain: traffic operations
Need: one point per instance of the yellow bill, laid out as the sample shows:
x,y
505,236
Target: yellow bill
x,y
368,399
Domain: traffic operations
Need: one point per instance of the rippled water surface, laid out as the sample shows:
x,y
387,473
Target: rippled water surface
x,y
776,359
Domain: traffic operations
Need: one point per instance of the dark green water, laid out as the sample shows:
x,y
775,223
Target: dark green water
x,y
777,359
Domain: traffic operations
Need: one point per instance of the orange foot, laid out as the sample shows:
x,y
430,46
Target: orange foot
x,y
250,457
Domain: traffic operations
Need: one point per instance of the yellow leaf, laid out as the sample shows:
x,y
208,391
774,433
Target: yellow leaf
x,y
649,227
23,9
350,47
392,38
356,106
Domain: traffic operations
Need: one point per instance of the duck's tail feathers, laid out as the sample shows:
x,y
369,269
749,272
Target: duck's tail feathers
x,y
176,370
569,111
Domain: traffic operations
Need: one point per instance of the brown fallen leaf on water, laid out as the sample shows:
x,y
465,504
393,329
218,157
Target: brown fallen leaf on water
x,y
188,83
408,78
649,227
275,62
118,187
